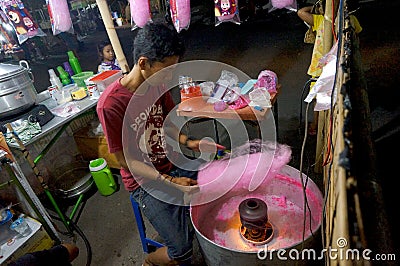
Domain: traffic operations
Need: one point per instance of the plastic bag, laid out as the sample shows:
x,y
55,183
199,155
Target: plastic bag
x,y
10,43
224,84
22,21
282,3
260,97
331,55
241,102
267,79
140,13
180,14
60,17
323,87
279,4
207,88
226,11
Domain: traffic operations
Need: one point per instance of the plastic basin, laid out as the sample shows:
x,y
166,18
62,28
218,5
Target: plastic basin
x,y
80,78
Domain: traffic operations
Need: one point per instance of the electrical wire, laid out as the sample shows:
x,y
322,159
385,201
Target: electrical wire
x,y
85,240
306,85
306,206
333,20
89,253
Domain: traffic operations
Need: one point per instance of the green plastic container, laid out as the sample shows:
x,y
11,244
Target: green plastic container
x,y
80,78
102,176
74,62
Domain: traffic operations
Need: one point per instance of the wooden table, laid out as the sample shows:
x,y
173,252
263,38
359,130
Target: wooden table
x,y
199,108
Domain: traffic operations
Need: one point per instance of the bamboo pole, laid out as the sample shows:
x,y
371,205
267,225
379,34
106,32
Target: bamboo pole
x,y
330,12
112,34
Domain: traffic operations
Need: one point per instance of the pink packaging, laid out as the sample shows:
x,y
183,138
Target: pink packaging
x,y
267,79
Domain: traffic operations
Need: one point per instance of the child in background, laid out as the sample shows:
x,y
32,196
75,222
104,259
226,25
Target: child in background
x,y
107,57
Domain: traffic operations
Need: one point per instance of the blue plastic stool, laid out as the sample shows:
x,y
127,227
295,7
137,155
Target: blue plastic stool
x,y
146,242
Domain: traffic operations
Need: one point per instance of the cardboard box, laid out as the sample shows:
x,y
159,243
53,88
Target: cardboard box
x,y
93,147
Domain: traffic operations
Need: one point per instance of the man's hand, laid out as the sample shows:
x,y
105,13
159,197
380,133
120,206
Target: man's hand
x,y
204,145
184,184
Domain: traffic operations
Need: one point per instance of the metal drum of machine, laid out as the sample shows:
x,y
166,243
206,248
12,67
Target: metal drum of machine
x,y
250,228
70,181
17,92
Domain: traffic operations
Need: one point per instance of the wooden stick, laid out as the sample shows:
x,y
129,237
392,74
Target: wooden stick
x,y
27,156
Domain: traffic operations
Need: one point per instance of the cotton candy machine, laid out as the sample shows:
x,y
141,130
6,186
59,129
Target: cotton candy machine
x,y
249,228
254,225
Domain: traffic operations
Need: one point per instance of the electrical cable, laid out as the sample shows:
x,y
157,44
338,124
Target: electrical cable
x,y
85,240
89,253
306,85
333,21
306,206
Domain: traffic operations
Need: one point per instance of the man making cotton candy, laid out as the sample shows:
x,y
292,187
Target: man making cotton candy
x,y
133,112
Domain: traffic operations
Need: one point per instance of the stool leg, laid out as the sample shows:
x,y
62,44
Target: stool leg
x,y
140,225
142,229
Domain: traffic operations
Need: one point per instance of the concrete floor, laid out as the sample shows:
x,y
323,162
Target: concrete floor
x,y
274,43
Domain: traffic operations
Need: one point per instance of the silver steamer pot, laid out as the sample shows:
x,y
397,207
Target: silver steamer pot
x,y
17,92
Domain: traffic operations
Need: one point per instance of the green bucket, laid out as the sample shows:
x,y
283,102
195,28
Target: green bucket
x,y
102,176
80,78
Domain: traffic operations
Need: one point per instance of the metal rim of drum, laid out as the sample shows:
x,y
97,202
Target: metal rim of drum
x,y
83,185
15,79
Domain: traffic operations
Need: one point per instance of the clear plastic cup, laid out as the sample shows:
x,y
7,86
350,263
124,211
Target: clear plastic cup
x,y
21,226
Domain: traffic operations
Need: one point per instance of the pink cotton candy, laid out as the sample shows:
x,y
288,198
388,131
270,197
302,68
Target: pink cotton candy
x,y
281,3
59,16
140,12
243,173
180,14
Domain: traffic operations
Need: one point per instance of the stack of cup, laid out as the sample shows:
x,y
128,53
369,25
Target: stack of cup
x,y
92,89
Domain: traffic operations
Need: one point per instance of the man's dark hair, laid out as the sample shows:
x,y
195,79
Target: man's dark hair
x,y
156,42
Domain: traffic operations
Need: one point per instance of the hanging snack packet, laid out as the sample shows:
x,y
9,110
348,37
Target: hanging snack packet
x,y
21,20
226,11
10,42
180,14
140,13
60,17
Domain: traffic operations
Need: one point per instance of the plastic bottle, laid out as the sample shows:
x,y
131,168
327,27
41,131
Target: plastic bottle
x,y
68,69
63,76
73,61
54,80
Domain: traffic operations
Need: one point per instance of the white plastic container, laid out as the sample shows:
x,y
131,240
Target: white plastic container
x,y
54,79
105,78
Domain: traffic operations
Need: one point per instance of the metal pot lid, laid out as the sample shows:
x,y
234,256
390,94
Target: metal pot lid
x,y
7,70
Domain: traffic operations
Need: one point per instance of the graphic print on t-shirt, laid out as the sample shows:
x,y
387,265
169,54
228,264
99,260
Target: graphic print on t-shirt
x,y
152,141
